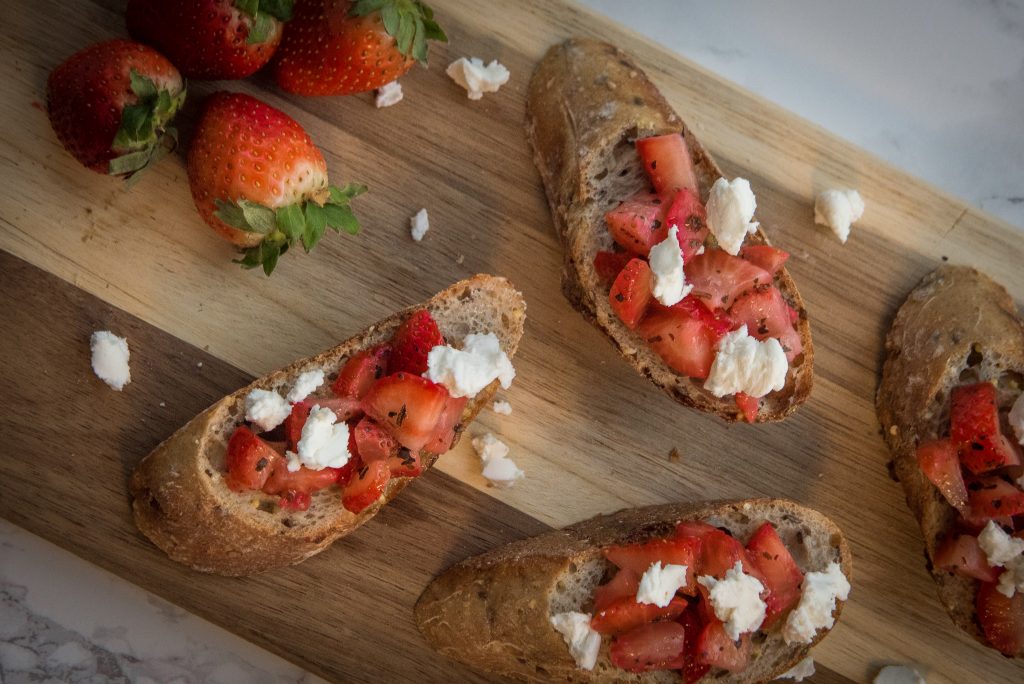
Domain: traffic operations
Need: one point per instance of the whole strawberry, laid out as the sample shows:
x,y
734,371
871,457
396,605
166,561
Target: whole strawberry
x,y
338,47
259,181
111,106
211,39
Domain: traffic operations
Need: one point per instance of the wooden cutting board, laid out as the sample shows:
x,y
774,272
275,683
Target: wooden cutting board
x,y
80,253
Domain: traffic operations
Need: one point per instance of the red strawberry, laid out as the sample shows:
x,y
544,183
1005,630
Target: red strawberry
x,y
111,105
412,342
259,181
339,47
211,39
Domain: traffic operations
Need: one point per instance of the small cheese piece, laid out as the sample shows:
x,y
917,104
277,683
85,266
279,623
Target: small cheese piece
x,y
745,364
898,674
819,592
110,359
502,408
800,671
731,206
498,468
1004,551
388,94
668,282
467,371
476,78
838,209
736,599
266,409
305,384
1016,418
419,225
659,584
324,442
583,642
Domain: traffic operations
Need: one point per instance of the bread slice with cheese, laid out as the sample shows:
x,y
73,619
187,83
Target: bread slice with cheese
x,y
586,105
179,496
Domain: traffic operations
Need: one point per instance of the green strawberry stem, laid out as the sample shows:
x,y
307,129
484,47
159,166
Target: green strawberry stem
x,y
410,22
263,14
304,222
145,135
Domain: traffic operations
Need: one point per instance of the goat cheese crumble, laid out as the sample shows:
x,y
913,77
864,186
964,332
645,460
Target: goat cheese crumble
x,y
583,642
466,372
838,210
736,599
110,359
730,208
476,78
668,281
745,364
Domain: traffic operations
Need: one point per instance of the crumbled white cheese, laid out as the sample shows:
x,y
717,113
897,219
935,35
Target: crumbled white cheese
x,y
668,282
324,442
467,371
659,584
745,364
110,358
502,408
819,592
305,384
583,642
266,409
388,94
1004,551
731,206
476,78
898,674
736,599
800,671
498,468
419,225
1016,417
838,209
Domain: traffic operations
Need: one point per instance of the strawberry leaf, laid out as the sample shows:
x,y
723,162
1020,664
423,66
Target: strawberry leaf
x,y
262,25
291,222
142,86
282,9
144,135
316,224
249,216
410,22
340,217
390,16
344,194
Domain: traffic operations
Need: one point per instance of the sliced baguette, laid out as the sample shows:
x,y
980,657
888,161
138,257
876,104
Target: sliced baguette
x,y
958,326
492,611
179,497
586,104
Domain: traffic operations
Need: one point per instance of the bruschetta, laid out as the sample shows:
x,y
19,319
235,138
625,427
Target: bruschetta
x,y
660,250
273,473
709,592
951,405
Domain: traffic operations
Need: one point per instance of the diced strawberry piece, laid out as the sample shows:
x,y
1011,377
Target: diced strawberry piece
x,y
294,423
626,613
720,551
405,463
962,554
677,551
608,265
693,625
794,315
991,497
624,585
940,463
694,528
748,405
373,442
666,159
250,460
412,342
716,649
717,321
408,406
688,215
361,371
448,425
684,343
631,292
295,501
769,258
765,313
719,278
303,480
1001,618
654,646
974,429
366,487
782,576
633,223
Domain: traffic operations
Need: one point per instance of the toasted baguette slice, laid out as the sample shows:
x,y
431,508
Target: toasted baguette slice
x,y
957,327
586,104
179,496
492,611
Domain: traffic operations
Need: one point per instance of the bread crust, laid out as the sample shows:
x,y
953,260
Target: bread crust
x,y
179,498
957,326
586,102
492,611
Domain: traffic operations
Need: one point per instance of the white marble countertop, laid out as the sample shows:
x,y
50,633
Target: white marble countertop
x,y
935,87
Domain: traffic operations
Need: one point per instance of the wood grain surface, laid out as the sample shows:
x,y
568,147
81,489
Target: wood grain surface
x,y
591,435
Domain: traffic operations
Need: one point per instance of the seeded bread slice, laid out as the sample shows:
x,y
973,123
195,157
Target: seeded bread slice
x,y
179,497
586,104
957,327
493,611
